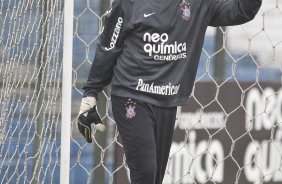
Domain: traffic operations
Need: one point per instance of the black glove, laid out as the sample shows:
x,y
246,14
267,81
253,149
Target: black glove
x,y
85,120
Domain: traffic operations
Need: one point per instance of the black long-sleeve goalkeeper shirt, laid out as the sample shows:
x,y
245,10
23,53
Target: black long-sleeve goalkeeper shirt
x,y
150,49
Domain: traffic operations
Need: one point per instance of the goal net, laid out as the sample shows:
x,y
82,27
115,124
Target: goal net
x,y
30,78
230,132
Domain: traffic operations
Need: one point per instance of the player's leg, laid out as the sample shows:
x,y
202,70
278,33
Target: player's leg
x,y
164,133
136,127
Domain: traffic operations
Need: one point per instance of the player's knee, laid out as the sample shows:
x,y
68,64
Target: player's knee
x,y
149,170
144,173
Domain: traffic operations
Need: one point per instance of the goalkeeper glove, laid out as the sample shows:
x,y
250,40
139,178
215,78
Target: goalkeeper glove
x,y
88,115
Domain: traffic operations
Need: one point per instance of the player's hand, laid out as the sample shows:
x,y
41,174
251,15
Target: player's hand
x,y
88,115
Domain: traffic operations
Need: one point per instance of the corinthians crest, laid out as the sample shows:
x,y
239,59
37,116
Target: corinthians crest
x,y
186,10
130,109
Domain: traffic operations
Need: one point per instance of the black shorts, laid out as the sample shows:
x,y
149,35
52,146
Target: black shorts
x,y
146,131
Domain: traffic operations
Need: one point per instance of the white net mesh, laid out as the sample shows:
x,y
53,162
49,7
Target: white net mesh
x,y
232,124
30,70
228,133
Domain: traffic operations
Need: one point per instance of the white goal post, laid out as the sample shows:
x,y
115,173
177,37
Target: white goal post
x,y
66,91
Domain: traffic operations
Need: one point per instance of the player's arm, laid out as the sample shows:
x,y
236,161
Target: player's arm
x,y
108,49
232,12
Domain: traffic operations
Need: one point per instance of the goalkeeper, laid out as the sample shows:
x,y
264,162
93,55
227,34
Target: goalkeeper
x,y
149,51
